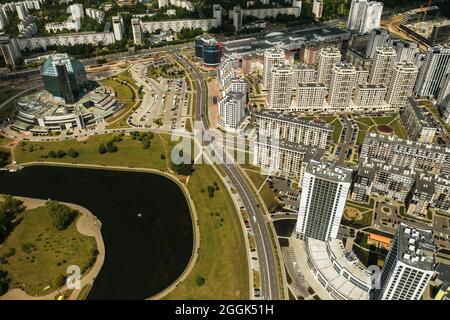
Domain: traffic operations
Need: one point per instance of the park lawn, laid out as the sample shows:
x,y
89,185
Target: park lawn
x,y
269,197
123,92
222,260
53,252
256,177
365,120
361,133
399,129
384,119
5,140
130,153
337,130
126,76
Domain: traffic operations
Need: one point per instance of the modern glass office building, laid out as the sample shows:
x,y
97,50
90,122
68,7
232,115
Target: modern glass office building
x,y
208,49
64,77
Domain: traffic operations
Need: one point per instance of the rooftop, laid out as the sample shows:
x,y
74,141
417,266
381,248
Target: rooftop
x,y
405,142
330,171
340,268
294,119
290,39
415,247
421,113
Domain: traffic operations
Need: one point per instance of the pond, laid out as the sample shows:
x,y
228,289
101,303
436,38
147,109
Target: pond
x,y
146,223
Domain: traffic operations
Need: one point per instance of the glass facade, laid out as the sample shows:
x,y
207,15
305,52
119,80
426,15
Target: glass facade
x,y
211,54
64,77
208,49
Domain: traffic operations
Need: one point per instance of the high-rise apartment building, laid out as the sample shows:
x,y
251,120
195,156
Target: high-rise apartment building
x,y
356,13
294,129
341,86
432,71
381,67
317,8
325,189
328,57
401,84
232,110
364,16
118,28
137,31
310,98
237,18
280,88
369,95
377,38
272,57
371,17
409,265
406,50
302,73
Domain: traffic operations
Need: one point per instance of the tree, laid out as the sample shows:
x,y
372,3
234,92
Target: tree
x,y
52,154
60,154
146,144
4,282
9,208
4,157
200,281
102,149
211,190
110,147
61,216
59,281
72,153
185,169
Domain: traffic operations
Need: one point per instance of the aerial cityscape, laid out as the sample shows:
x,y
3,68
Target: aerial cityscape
x,y
225,150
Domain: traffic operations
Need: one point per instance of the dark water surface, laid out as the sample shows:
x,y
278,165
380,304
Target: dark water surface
x,y
144,254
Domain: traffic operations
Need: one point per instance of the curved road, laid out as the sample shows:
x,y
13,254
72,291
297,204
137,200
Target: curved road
x,y
266,254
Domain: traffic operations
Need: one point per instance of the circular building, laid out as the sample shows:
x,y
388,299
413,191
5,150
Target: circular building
x,y
68,101
64,77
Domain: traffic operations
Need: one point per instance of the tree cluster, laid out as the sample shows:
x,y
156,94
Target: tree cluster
x,y
9,208
61,216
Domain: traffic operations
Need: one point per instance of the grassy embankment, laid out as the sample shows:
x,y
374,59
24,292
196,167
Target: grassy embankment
x,y
222,260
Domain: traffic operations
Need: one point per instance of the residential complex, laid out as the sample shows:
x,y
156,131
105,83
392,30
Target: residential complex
x,y
406,153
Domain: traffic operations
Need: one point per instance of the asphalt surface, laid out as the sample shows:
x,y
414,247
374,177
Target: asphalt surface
x,y
266,254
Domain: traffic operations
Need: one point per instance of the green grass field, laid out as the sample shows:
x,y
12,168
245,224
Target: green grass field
x,y
51,252
4,140
269,197
130,153
124,95
222,258
256,177
337,130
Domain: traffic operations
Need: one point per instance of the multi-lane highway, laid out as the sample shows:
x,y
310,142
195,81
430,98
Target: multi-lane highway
x,y
258,223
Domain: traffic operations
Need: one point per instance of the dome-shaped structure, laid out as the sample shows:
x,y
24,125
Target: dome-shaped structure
x,y
64,77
